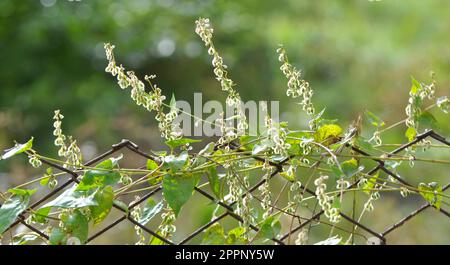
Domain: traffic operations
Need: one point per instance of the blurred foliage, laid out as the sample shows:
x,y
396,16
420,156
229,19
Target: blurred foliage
x,y
357,55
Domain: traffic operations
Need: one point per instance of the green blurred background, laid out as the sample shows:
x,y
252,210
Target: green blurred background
x,y
356,55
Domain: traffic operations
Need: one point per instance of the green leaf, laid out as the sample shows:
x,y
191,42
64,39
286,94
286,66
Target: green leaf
x,y
40,215
374,119
58,236
12,208
351,168
104,199
151,209
327,133
179,142
236,236
151,164
176,163
200,159
44,181
411,133
214,235
370,184
156,241
17,149
427,120
72,198
177,190
101,176
270,228
48,175
76,225
214,181
432,193
415,86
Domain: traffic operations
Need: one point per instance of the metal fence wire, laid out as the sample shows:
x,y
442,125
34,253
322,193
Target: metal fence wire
x,y
229,211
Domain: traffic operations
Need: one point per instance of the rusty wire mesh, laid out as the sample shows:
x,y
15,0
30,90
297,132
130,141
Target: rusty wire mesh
x,y
229,211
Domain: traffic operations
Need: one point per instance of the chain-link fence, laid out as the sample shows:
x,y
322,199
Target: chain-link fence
x,y
229,212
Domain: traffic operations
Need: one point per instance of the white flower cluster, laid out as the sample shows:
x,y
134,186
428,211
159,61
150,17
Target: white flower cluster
x,y
368,206
34,161
297,87
277,135
244,210
325,201
167,227
235,195
295,189
136,215
413,109
152,101
205,31
404,192
302,237
266,194
71,152
227,131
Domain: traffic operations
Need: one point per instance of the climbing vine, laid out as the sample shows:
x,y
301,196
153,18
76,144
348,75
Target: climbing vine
x,y
319,165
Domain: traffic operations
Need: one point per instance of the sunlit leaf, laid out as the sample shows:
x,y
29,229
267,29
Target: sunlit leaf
x,y
101,176
411,133
415,86
247,142
432,193
151,164
24,239
236,236
261,147
151,209
17,149
72,198
370,184
327,134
